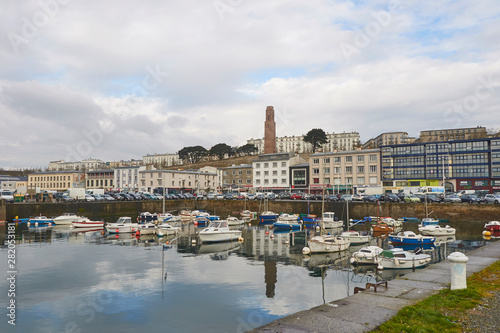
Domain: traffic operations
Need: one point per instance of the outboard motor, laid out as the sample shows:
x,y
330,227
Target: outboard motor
x,y
418,250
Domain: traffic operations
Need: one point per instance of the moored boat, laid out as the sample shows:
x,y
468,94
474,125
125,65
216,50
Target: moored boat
x,y
246,214
398,258
329,221
122,225
355,237
68,218
218,231
268,217
367,255
327,243
234,221
429,221
382,228
436,230
40,220
167,229
492,226
86,223
147,228
410,238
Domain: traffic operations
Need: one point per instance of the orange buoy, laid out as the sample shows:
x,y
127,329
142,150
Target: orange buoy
x,y
267,232
168,242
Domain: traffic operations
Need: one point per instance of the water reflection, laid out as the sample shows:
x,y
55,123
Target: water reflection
x,y
148,282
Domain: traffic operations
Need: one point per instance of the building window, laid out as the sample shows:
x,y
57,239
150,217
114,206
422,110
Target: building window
x,y
225,173
361,169
275,164
266,165
373,168
249,172
348,159
257,173
336,160
257,181
326,180
336,170
315,160
283,172
283,164
257,165
315,171
361,180
283,180
326,160
348,170
266,173
361,158
316,180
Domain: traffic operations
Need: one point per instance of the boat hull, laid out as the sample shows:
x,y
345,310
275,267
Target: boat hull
x,y
320,244
91,224
114,228
287,226
215,237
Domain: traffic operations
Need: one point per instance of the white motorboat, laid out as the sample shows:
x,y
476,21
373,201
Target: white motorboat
x,y
147,228
327,243
367,255
68,218
246,214
329,221
218,231
398,258
234,221
391,222
86,223
355,237
286,218
122,225
436,230
167,229
492,226
167,217
187,215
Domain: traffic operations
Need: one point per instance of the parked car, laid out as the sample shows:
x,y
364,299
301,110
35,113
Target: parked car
x,y
412,198
433,198
107,197
452,198
228,196
331,198
470,198
212,196
357,197
389,197
220,197
492,198
284,195
370,198
346,197
88,197
251,197
296,196
98,197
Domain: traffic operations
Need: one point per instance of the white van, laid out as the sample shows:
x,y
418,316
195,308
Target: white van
x,y
7,195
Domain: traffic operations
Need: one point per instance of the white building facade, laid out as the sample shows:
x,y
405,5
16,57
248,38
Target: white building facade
x,y
177,181
127,178
272,171
162,160
296,144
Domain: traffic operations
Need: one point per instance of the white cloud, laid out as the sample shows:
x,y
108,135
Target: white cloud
x,y
89,61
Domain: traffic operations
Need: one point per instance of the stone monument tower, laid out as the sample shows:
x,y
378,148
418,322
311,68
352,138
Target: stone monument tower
x,y
269,132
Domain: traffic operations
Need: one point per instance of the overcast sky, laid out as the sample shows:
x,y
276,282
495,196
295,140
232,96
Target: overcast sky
x,y
120,79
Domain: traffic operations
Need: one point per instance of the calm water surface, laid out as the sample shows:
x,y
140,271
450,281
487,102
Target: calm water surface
x,y
87,282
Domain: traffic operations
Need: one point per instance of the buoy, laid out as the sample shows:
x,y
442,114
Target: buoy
x,y
380,267
272,235
486,233
193,241
137,233
167,242
306,250
36,224
117,230
249,224
50,224
240,239
28,224
267,232
317,228
486,237
287,242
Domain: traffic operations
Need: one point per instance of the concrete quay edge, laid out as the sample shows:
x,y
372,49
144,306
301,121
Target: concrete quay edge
x,y
365,311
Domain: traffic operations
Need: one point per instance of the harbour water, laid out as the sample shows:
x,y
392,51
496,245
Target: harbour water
x,y
70,281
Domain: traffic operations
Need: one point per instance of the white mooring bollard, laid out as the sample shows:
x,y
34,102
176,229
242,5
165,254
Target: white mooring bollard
x,y
458,270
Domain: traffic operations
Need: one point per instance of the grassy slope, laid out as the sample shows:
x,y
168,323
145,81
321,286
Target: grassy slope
x,y
445,311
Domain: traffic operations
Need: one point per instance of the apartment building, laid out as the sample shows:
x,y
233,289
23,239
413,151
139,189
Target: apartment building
x,y
100,179
458,164
237,176
177,181
272,171
59,181
345,171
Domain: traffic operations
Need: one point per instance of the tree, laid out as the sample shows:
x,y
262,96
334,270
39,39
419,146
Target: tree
x,y
316,137
246,149
192,154
220,150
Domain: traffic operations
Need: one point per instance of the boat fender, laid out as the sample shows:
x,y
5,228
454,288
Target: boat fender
x,y
396,261
36,224
117,230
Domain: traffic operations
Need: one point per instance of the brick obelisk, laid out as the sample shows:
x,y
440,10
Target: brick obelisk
x,y
269,132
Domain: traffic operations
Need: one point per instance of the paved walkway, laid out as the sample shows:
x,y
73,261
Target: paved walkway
x,y
367,310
